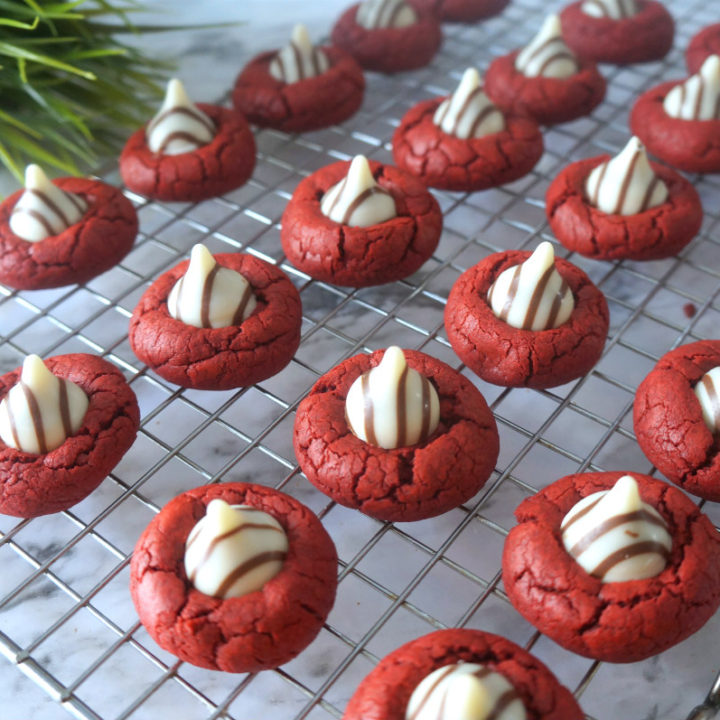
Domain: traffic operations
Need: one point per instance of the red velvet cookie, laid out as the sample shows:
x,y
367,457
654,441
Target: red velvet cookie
x,y
691,145
257,631
309,104
659,232
508,356
704,44
463,11
613,621
102,238
547,100
222,165
444,161
361,256
388,50
32,485
406,483
643,37
384,694
225,357
669,424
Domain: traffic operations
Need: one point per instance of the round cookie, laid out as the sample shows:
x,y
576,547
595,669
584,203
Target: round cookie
x,y
444,161
613,621
309,104
659,232
462,11
643,37
547,100
224,164
361,256
102,238
224,357
406,483
508,356
389,49
39,484
690,145
384,694
704,44
669,424
257,631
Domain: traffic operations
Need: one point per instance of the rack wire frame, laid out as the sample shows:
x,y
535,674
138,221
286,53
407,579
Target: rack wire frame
x,y
66,618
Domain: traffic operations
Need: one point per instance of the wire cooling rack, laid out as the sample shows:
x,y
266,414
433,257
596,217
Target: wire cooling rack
x,y
66,619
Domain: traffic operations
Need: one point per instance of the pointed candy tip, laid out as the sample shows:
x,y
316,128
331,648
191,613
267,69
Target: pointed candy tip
x,y
360,171
471,77
393,357
544,253
35,176
200,255
301,36
627,492
711,66
218,512
552,22
33,367
176,95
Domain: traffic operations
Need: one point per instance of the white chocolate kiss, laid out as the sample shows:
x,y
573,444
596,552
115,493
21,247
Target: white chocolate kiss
x,y
698,98
465,691
44,210
42,410
532,295
626,184
612,9
209,295
707,392
615,536
547,55
299,60
373,14
468,112
392,405
234,550
358,200
179,125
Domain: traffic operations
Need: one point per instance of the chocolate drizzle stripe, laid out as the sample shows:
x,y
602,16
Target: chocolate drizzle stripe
x,y
426,409
179,135
247,567
580,513
239,315
298,60
649,546
281,64
65,408
627,179
503,701
610,524
716,111
464,108
557,304
338,195
359,200
561,55
54,207
177,312
428,693
49,229
78,202
542,47
36,417
698,100
536,298
512,292
13,425
714,399
207,296
394,14
193,113
401,405
649,193
595,197
369,413
482,116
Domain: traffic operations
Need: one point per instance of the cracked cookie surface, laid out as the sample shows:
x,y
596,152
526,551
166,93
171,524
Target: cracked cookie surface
x,y
614,621
257,631
384,694
444,161
226,357
224,164
407,483
94,244
659,232
361,256
508,356
668,419
309,104
35,484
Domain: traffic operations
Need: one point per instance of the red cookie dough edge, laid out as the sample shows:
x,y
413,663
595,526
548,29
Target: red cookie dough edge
x,y
404,484
257,631
94,244
659,232
388,50
547,100
461,11
616,622
644,37
443,161
504,355
32,485
384,694
322,101
361,256
220,358
704,44
668,419
222,165
691,145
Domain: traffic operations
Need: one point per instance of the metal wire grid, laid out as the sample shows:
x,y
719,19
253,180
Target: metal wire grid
x,y
66,619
